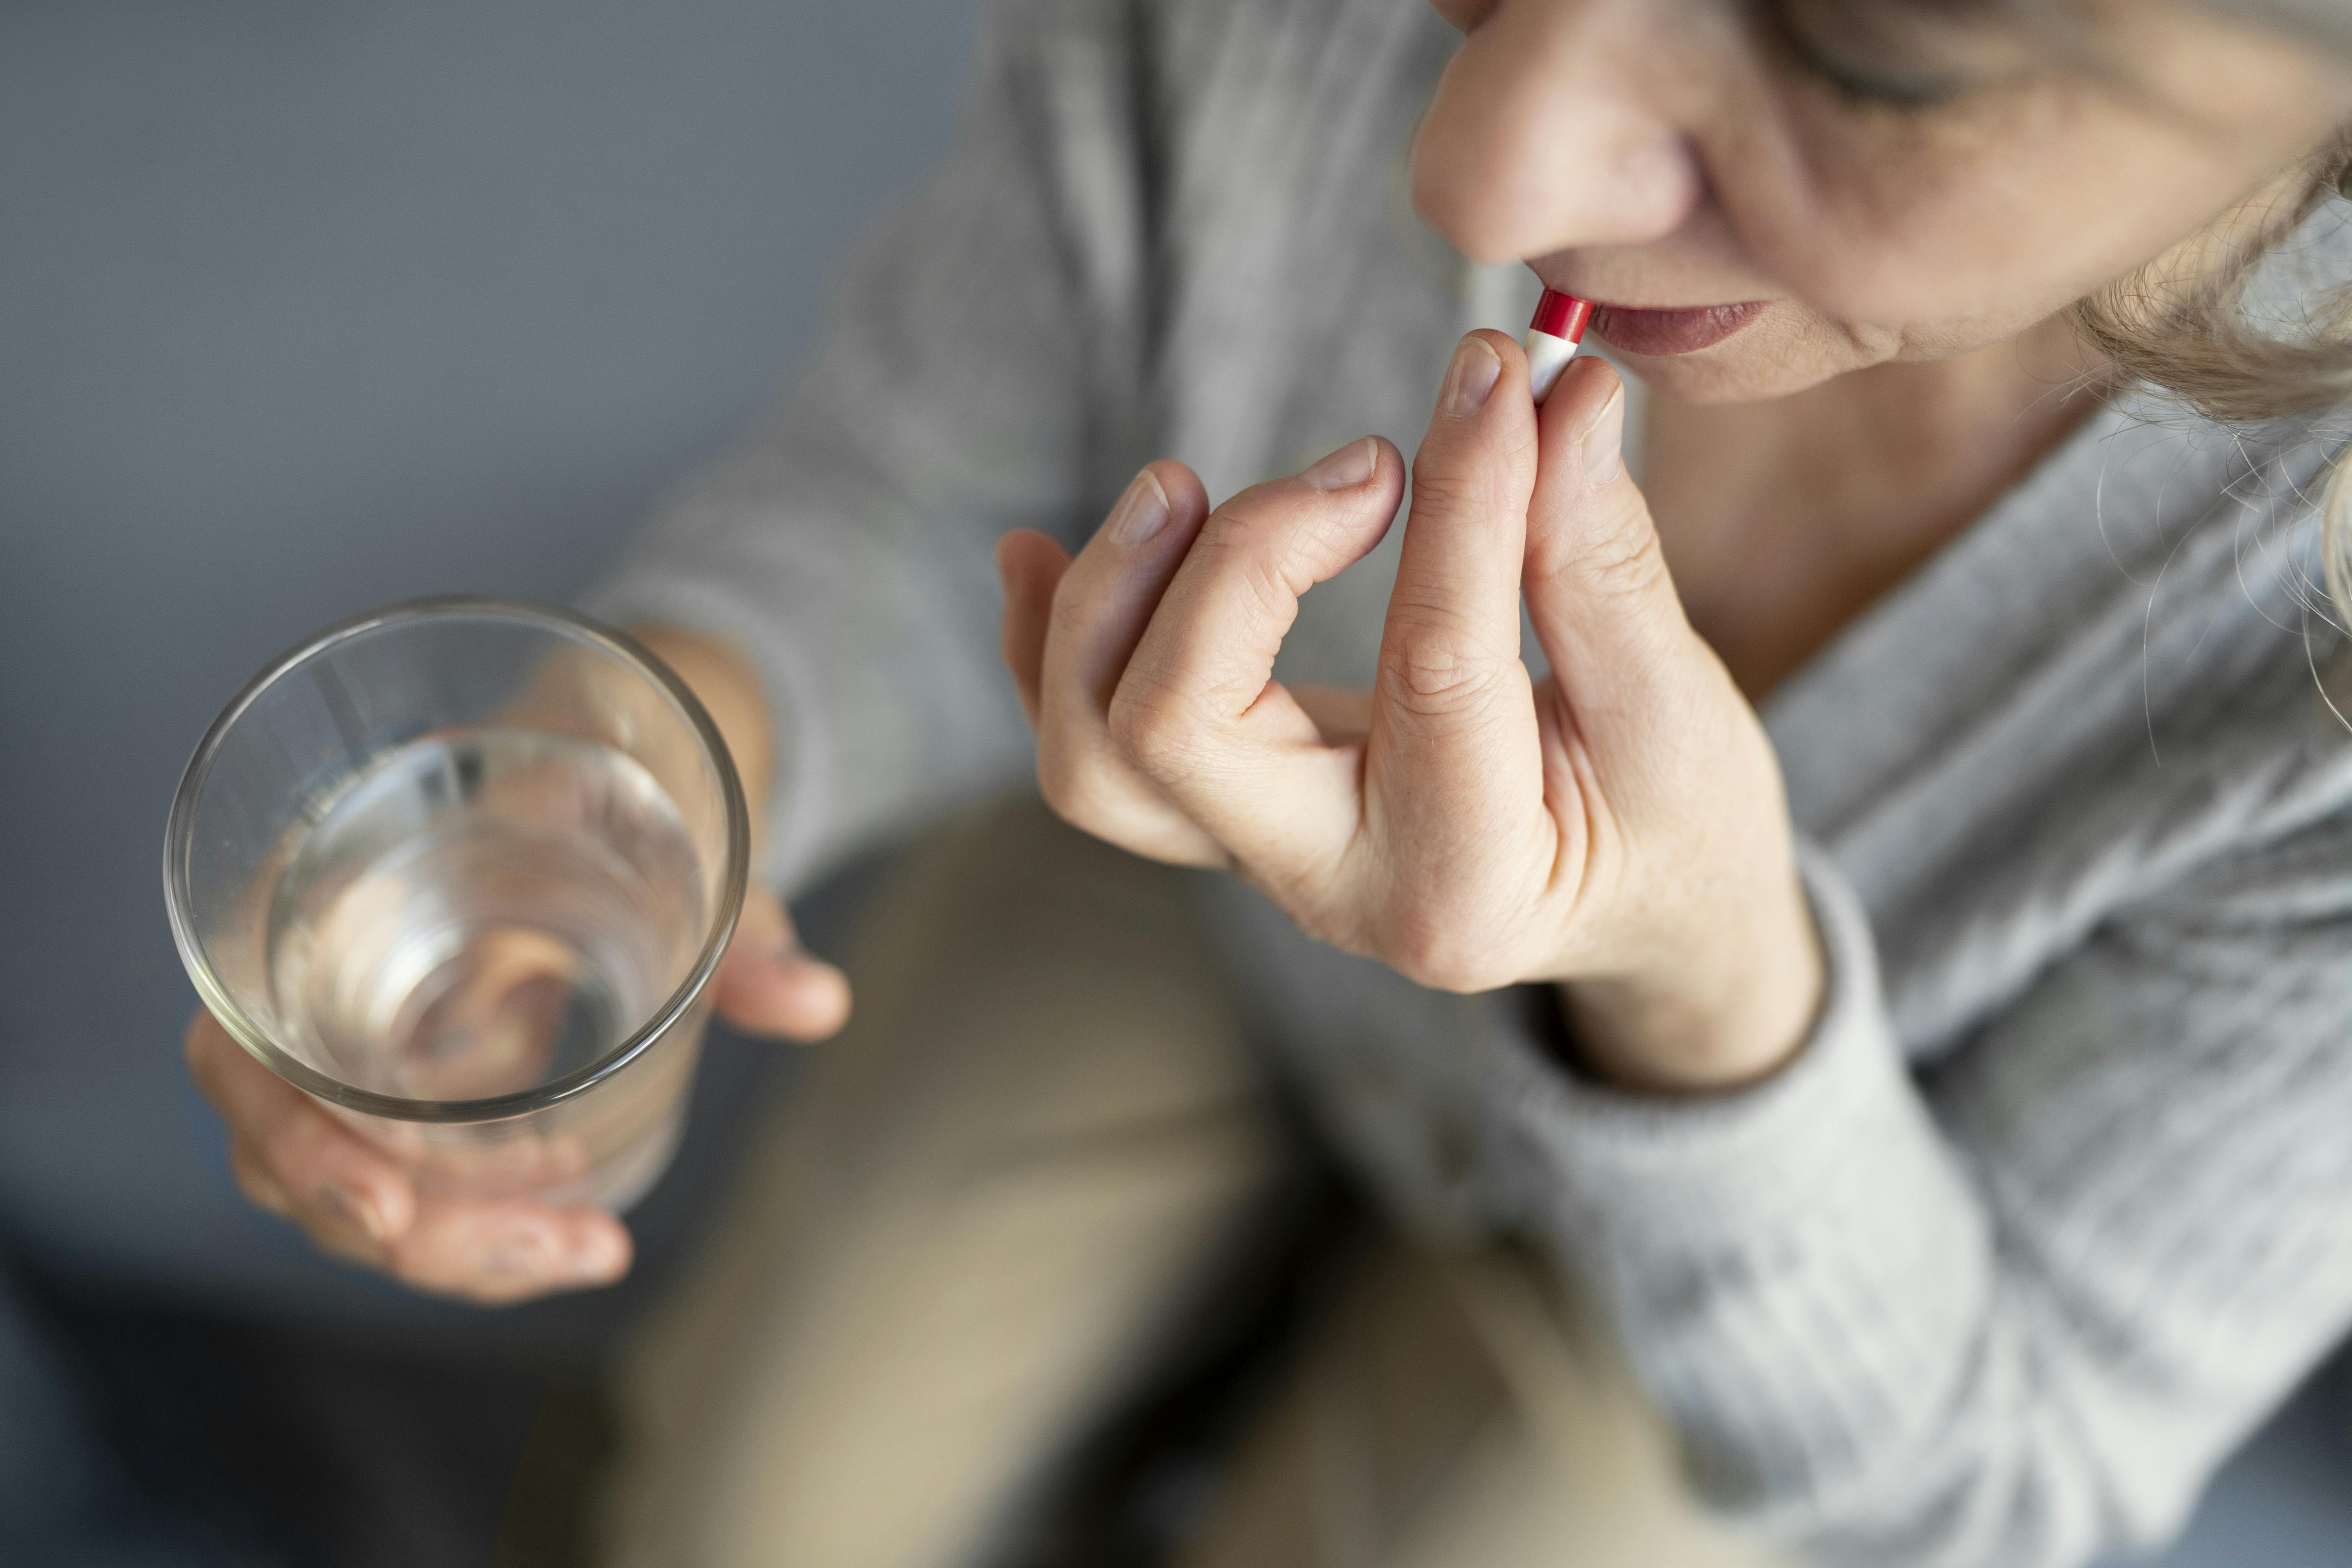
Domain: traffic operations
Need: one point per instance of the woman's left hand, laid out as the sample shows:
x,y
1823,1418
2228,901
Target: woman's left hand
x,y
1618,826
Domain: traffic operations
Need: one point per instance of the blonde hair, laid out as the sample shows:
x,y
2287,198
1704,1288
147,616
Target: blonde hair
x,y
2184,325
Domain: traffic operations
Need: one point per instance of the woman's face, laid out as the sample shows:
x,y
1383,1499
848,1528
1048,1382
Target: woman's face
x,y
1773,192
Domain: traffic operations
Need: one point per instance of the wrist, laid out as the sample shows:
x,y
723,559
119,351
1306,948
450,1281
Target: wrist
x,y
726,682
1710,1016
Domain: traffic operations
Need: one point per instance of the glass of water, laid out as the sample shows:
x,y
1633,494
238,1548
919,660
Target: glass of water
x,y
462,868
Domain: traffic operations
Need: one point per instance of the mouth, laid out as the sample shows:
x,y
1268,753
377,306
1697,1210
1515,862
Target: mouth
x,y
1677,331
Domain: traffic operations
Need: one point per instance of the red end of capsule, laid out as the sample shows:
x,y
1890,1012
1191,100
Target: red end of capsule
x,y
1562,315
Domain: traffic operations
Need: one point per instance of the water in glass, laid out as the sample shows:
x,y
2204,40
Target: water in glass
x,y
481,911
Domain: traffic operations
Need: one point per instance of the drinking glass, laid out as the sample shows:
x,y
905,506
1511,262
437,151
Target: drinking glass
x,y
462,869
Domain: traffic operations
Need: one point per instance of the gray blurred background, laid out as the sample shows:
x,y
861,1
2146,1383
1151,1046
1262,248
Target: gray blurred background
x,y
305,308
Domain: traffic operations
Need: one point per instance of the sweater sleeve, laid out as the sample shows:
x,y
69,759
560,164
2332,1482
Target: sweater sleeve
x,y
981,362
2015,1317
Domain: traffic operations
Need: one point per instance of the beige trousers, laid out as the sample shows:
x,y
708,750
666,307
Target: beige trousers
x,y
996,1203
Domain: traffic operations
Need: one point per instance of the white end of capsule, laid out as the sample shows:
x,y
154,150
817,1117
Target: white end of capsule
x,y
1547,357
1552,336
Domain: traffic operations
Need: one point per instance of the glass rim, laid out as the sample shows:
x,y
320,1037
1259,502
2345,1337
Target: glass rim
x,y
179,843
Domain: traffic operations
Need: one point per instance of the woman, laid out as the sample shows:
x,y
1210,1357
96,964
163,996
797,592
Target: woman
x,y
1894,961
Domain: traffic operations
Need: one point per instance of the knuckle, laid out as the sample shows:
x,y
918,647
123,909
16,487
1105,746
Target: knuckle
x,y
443,1277
1437,954
254,1180
1265,548
273,1156
1463,481
445,1260
336,1241
302,1141
1619,561
1100,798
1626,571
1432,670
1154,730
1442,488
201,1051
1070,611
1263,578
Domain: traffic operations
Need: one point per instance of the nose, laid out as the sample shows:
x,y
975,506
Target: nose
x,y
1555,127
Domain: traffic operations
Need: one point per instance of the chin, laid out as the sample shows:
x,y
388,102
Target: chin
x,y
1726,373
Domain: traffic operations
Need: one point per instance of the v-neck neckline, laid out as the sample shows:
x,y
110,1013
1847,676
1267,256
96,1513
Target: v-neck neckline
x,y
1956,631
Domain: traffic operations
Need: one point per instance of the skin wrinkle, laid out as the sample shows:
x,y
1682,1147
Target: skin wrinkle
x,y
1833,220
1845,1153
1647,154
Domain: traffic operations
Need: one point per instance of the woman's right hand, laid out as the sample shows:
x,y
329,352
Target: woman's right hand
x,y
357,1200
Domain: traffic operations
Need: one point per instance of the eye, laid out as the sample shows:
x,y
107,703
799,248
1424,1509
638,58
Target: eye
x,y
1907,55
1466,15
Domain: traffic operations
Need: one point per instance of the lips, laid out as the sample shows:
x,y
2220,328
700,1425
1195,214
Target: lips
x,y
1677,331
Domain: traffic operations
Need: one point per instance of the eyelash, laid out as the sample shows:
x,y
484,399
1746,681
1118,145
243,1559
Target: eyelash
x,y
1857,90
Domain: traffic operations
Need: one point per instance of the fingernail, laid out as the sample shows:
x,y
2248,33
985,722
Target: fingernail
x,y
1141,512
351,1207
1602,448
526,1254
1344,469
1471,377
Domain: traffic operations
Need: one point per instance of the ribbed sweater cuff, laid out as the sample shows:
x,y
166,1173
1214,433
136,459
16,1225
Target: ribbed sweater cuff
x,y
1639,1174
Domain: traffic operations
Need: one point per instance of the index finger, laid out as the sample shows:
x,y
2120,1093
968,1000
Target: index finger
x,y
1197,708
1452,698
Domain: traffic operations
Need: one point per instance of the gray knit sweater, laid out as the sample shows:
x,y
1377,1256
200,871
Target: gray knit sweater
x,y
2056,1203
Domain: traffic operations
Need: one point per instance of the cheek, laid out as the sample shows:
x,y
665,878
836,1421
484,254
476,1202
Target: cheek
x,y
1927,238
1963,233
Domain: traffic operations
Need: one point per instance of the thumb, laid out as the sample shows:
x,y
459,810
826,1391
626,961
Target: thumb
x,y
1598,593
768,984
